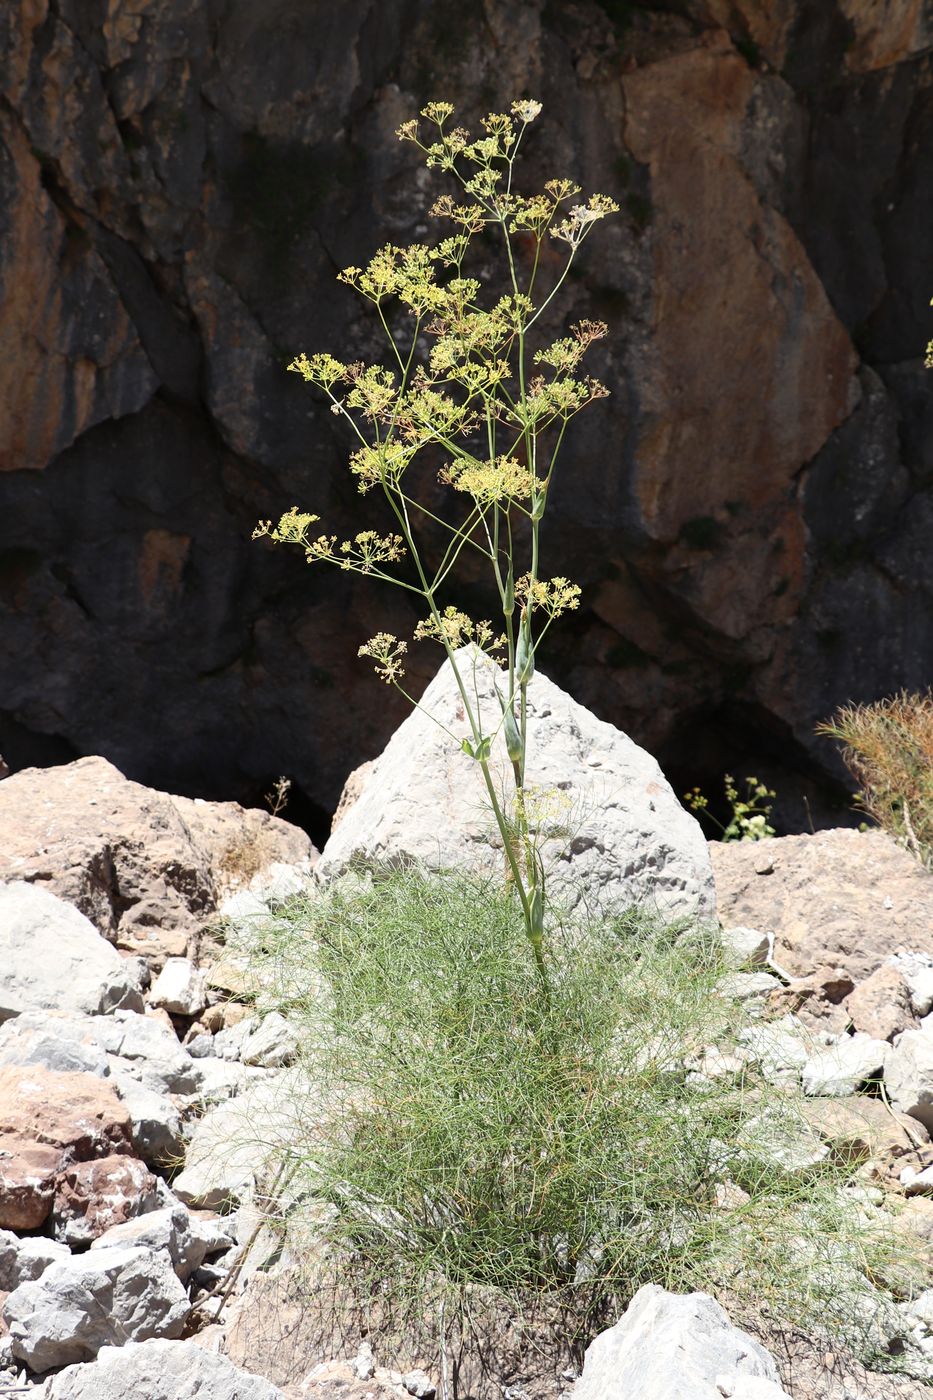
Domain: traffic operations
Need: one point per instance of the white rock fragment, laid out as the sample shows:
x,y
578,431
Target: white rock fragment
x,y
159,1370
670,1347
745,947
233,1142
840,1069
179,988
86,973
908,1075
917,971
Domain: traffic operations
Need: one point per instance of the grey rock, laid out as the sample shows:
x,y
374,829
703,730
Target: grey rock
x,y
235,1140
22,1260
269,1042
908,1075
170,1229
745,947
424,800
86,973
158,1370
748,986
151,1053
781,1047
670,1347
840,1069
101,1298
782,1141
419,1384
180,988
55,1041
156,1127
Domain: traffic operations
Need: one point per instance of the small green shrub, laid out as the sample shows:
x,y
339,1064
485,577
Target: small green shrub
x,y
888,748
482,1132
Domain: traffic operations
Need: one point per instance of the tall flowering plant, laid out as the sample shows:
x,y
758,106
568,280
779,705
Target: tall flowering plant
x,y
468,382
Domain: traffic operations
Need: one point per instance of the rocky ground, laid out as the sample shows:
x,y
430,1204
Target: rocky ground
x,y
141,1096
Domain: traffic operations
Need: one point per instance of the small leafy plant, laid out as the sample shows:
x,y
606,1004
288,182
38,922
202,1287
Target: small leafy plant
x,y
472,385
750,814
888,748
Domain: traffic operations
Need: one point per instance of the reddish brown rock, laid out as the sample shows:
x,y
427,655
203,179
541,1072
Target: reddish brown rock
x,y
142,865
91,1197
48,1121
844,898
28,1171
884,34
880,1005
815,999
79,1113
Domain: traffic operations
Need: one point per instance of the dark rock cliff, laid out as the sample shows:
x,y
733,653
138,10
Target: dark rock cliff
x,y
749,514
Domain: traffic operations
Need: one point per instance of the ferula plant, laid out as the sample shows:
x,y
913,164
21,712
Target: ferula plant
x,y
471,382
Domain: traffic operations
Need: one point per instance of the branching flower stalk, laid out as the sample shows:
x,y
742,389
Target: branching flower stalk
x,y
464,384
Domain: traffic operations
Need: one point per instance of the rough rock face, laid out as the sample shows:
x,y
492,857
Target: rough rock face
x,y
160,1370
145,867
620,836
839,898
748,514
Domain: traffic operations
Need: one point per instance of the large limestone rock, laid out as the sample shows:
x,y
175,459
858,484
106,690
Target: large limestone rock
x,y
102,1298
85,973
840,898
621,837
158,1370
670,1347
145,867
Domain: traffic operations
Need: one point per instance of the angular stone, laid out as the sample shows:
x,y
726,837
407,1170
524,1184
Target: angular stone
x,y
76,1112
159,1370
92,1197
155,1123
917,971
908,1075
670,1347
170,1229
423,800
745,947
28,1172
86,973
269,1042
25,1259
233,1143
102,1298
180,988
881,1005
53,1041
841,1068
151,1052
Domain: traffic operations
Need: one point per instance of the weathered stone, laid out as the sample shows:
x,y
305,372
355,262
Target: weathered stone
x,y
908,1075
102,1298
268,1041
233,1143
630,841
138,863
669,1347
151,1052
158,1370
92,1197
917,971
55,1041
881,1005
745,947
842,1067
86,973
844,898
179,988
817,1000
864,1127
25,1259
155,1123
170,1229
46,1122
